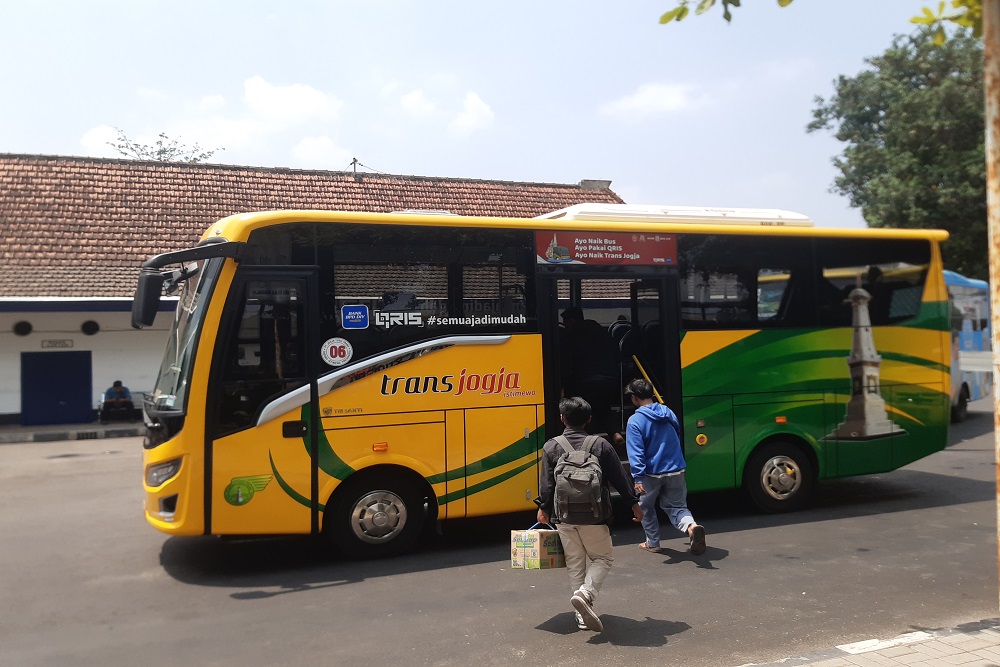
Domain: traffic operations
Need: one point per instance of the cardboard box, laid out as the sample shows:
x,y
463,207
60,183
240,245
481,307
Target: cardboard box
x,y
536,549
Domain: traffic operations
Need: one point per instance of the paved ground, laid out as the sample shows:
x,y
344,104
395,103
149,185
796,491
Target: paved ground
x,y
973,644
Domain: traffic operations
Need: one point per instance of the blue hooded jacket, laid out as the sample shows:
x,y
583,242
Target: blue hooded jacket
x,y
654,448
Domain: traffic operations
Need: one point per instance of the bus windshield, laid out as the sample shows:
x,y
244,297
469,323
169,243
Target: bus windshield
x,y
174,376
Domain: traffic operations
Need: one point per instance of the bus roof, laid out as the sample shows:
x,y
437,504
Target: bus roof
x,y
680,214
237,227
952,278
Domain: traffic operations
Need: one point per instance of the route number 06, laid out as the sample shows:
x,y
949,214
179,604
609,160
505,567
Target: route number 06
x,y
337,351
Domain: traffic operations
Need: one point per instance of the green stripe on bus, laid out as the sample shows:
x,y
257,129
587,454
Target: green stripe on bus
x,y
508,454
292,493
328,461
482,486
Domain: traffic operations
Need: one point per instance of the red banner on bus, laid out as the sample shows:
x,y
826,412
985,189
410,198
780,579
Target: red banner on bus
x,y
637,248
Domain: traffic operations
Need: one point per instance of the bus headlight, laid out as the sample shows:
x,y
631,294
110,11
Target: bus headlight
x,y
159,473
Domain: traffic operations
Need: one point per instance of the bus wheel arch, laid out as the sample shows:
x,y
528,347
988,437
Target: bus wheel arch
x,y
780,474
378,512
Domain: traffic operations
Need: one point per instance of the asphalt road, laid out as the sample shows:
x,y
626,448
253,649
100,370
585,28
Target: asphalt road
x,y
86,582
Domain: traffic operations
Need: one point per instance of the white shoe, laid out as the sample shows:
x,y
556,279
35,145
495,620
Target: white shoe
x,y
579,621
584,605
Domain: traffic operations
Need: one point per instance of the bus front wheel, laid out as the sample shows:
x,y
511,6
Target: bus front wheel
x,y
375,515
779,477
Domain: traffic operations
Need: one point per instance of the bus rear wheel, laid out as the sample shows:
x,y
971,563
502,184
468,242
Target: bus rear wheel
x,y
960,410
779,477
375,515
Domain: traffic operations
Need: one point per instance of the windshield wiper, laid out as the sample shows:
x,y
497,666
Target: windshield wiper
x,y
173,279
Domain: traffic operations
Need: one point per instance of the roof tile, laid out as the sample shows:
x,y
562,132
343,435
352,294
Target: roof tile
x,y
80,227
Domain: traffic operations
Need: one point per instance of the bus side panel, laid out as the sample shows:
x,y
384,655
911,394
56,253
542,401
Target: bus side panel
x,y
809,369
451,503
927,432
708,443
480,457
502,450
788,416
261,482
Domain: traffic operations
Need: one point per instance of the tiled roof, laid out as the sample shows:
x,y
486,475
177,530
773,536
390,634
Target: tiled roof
x,y
80,227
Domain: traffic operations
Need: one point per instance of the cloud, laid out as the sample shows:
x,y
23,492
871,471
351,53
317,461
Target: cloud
x,y
286,122
416,104
320,153
656,99
211,103
475,115
152,95
785,71
289,105
95,141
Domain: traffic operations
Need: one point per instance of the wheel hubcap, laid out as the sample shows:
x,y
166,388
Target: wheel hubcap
x,y
378,517
781,478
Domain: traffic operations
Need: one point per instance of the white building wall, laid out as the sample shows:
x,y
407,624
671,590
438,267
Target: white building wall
x,y
118,352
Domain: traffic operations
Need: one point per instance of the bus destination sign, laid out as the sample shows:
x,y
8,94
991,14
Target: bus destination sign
x,y
635,248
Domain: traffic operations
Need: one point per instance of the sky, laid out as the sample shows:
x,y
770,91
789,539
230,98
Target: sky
x,y
697,113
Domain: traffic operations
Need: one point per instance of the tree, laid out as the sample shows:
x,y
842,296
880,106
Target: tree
x,y
164,150
965,13
680,12
914,133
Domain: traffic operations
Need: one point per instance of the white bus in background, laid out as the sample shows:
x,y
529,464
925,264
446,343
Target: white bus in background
x,y
972,365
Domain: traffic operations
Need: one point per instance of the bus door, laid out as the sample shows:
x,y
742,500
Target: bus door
x,y
261,445
654,353
604,331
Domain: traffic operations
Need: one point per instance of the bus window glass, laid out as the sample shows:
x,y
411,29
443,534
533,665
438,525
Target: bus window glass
x,y
383,288
891,272
172,381
739,282
267,353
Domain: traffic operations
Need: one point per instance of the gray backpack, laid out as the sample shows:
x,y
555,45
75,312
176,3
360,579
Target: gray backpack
x,y
580,495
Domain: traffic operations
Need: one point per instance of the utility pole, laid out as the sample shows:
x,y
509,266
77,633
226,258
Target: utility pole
x,y
991,86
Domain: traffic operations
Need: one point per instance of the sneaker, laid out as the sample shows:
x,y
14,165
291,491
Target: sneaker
x,y
698,540
579,621
584,605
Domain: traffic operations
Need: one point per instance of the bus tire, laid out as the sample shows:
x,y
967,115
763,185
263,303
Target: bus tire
x,y
375,515
779,477
960,410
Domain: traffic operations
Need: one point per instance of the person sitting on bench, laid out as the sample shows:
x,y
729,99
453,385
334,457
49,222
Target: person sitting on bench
x,y
117,401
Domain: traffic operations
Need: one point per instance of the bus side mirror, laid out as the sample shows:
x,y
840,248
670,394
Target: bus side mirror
x,y
147,298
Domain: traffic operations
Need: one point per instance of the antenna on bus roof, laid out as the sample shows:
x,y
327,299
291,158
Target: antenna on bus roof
x,y
764,217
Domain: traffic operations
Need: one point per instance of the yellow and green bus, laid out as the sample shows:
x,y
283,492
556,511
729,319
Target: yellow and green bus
x,y
361,376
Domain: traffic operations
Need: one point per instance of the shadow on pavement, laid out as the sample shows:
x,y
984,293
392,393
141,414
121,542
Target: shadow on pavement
x,y
618,631
305,563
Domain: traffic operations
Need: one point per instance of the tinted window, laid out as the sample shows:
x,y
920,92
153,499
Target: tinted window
x,y
744,282
384,286
737,282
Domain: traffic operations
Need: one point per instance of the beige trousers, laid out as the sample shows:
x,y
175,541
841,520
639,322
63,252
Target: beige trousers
x,y
588,555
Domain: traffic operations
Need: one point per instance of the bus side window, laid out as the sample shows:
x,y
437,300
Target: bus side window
x,y
267,356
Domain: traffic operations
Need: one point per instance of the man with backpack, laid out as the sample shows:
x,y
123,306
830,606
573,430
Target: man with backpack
x,y
658,467
573,492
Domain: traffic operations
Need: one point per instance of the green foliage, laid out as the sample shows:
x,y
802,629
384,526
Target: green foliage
x,y
913,125
164,150
966,14
680,12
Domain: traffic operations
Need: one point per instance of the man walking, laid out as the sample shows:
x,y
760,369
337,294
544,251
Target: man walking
x,y
587,544
658,467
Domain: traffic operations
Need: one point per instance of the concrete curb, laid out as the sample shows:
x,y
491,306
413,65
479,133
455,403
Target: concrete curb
x,y
838,655
85,432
